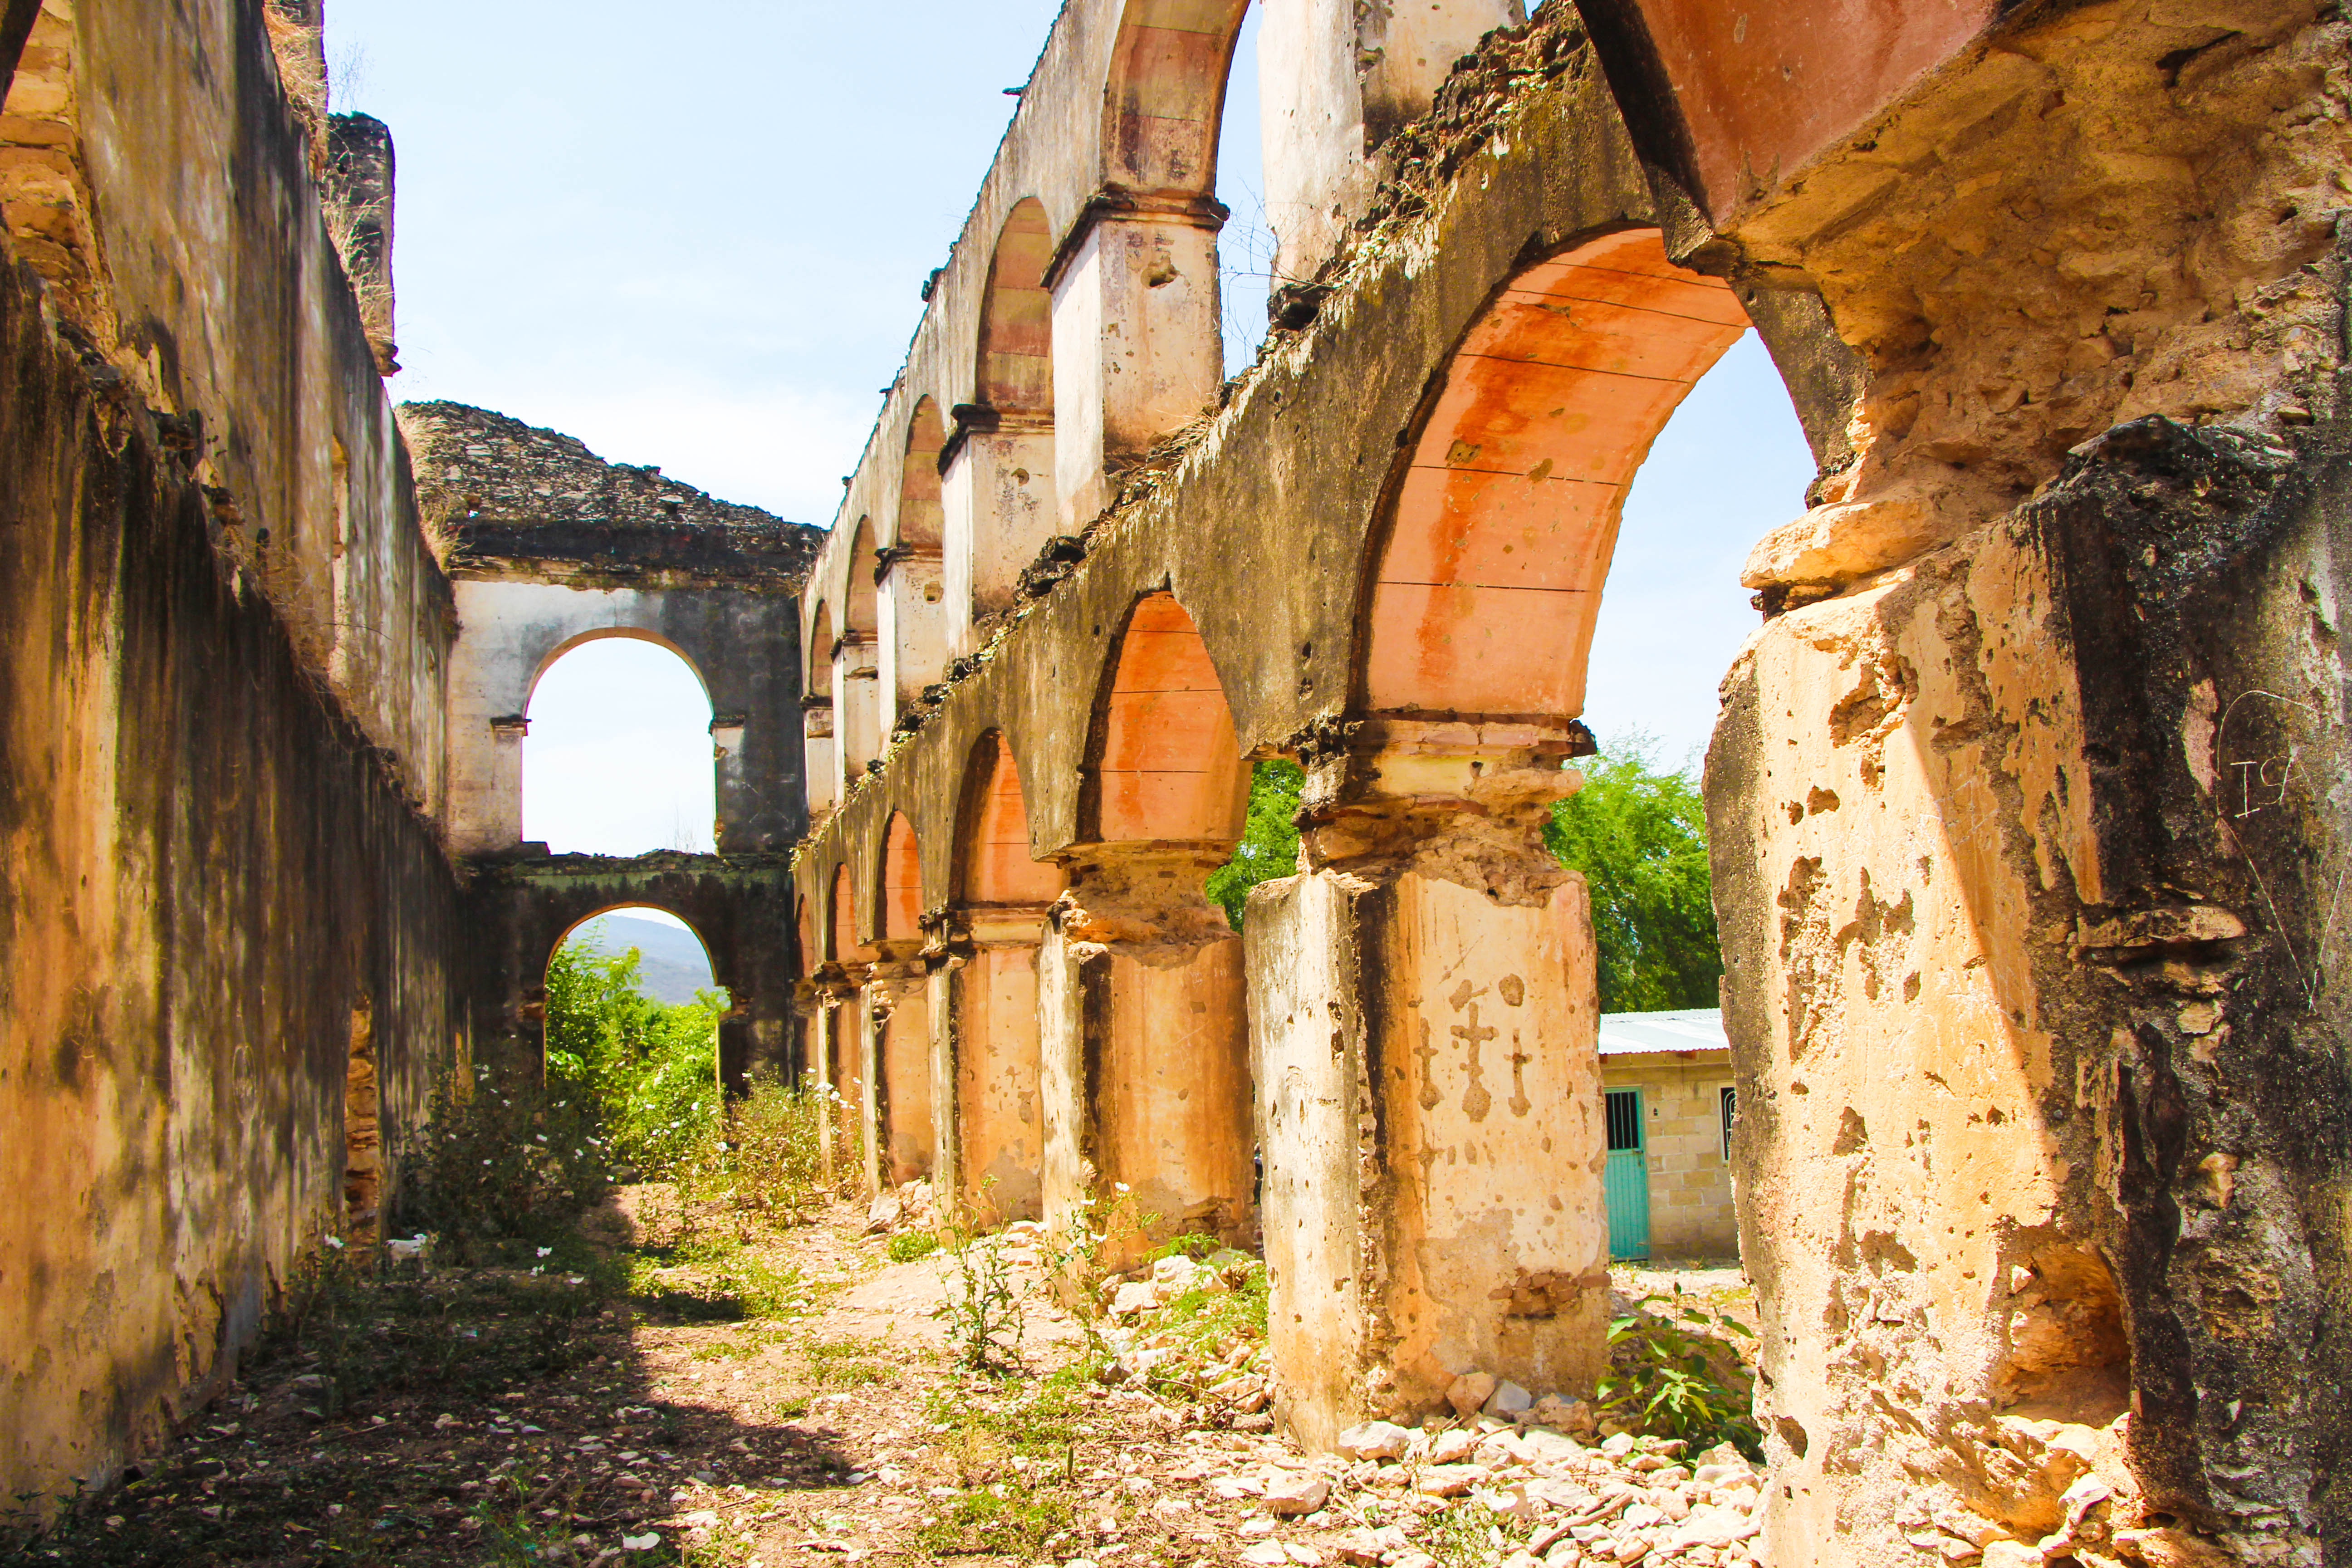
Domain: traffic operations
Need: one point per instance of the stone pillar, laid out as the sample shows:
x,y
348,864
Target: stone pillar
x,y
1335,78
999,1145
1429,1102
1137,349
913,619
856,705
735,799
896,1059
823,765
998,495
1144,1047
942,958
495,824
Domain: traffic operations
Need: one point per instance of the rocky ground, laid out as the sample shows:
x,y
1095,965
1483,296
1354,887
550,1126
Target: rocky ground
x,y
755,1398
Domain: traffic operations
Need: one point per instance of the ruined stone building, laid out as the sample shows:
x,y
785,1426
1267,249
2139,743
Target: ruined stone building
x,y
2026,797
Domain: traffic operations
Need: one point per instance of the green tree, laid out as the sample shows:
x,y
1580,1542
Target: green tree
x,y
651,1069
1269,846
1639,834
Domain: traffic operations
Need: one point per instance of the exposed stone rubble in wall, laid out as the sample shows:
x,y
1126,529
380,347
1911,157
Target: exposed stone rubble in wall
x,y
358,203
45,196
2113,212
490,486
297,38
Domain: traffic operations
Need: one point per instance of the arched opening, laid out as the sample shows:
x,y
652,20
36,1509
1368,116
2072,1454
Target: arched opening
x,y
633,1016
919,483
1167,97
912,605
822,756
898,1002
1001,896
616,759
1502,529
999,479
1487,604
1154,1051
995,867
1167,766
902,883
1247,246
856,670
1016,318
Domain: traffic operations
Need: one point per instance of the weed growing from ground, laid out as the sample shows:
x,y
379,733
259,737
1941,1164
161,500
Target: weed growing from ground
x,y
908,1246
1664,1378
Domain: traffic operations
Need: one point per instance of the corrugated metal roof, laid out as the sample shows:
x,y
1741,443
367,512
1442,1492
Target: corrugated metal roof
x,y
1685,1029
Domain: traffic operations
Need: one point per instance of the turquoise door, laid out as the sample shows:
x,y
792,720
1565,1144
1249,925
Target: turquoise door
x,y
1626,1182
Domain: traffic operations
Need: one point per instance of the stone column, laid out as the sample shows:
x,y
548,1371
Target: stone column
x,y
896,1057
493,825
823,765
1137,349
942,957
736,800
998,496
856,705
913,620
1335,78
1144,1045
999,1118
1429,1104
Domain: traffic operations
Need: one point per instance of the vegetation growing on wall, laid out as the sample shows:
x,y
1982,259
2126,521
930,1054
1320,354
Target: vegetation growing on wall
x,y
1639,834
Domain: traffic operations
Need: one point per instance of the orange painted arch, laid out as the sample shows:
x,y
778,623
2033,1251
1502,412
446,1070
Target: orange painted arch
x,y
1501,532
902,881
1166,95
1016,317
995,867
1168,766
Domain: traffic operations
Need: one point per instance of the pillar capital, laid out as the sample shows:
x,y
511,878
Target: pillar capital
x,y
986,926
1145,892
1466,801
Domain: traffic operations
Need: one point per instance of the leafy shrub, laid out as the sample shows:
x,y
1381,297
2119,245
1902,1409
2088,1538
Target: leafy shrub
x,y
908,1246
1664,1377
1639,834
773,1152
1269,842
651,1068
494,1168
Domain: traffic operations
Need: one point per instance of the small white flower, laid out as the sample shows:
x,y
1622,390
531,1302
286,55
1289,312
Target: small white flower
x,y
334,1241
545,1250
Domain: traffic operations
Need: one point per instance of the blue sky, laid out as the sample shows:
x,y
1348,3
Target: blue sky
x,y
696,237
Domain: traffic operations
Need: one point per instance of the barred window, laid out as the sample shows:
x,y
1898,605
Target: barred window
x,y
1730,1114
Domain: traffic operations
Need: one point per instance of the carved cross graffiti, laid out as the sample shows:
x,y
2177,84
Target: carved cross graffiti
x,y
1519,1102
1428,1055
1476,1101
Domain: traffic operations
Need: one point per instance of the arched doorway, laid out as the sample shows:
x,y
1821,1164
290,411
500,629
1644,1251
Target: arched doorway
x,y
617,760
632,1020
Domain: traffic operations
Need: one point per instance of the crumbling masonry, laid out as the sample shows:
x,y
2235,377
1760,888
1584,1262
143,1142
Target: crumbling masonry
x,y
2026,794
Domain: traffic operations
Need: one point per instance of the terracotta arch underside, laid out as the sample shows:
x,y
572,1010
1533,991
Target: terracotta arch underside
x,y
846,949
902,882
1502,529
1016,323
1167,93
995,867
1169,766
920,517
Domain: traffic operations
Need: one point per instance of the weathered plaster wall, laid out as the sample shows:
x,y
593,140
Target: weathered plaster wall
x,y
220,707
206,872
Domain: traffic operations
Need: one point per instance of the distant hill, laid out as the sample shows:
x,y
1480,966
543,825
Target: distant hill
x,y
671,965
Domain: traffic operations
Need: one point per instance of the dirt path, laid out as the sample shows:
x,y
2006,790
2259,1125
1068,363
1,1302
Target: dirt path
x,y
538,1415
